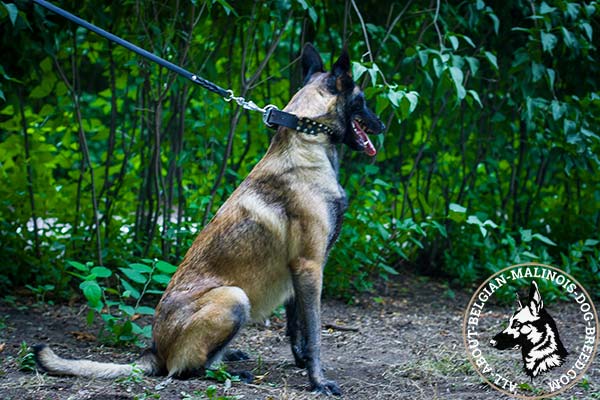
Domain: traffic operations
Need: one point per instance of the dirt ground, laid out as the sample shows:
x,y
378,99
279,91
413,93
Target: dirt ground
x,y
404,344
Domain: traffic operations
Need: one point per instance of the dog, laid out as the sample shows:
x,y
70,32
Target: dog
x,y
267,245
534,331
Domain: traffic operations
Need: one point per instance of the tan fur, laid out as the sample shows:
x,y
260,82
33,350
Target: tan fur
x,y
274,226
259,261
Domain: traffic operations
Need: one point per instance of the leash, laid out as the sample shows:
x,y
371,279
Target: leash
x,y
272,116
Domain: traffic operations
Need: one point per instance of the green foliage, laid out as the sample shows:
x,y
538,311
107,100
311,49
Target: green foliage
x,y
490,158
25,359
220,374
117,296
41,292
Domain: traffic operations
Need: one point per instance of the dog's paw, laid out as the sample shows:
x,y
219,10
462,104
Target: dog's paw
x,y
327,388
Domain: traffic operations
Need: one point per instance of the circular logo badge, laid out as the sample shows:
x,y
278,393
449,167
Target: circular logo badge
x,y
532,349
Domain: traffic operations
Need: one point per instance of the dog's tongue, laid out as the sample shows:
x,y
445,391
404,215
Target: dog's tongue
x,y
364,138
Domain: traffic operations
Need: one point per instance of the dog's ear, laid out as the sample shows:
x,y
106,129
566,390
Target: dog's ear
x,y
518,300
535,299
311,62
342,72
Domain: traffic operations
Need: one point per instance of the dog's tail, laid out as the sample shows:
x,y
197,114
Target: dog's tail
x,y
147,364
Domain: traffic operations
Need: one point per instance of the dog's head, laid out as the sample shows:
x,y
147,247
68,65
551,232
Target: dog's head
x,y
525,327
333,98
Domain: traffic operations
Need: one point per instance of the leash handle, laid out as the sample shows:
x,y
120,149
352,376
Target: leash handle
x,y
138,50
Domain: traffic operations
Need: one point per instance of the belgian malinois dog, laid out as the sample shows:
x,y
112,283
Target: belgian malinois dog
x,y
267,244
534,331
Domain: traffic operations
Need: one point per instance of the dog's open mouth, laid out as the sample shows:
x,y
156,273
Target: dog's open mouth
x,y
360,132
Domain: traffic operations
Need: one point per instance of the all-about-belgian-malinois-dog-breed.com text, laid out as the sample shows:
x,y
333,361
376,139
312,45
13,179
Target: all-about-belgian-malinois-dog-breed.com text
x,y
267,244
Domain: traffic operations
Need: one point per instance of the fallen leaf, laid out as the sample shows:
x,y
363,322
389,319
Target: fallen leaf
x,y
83,336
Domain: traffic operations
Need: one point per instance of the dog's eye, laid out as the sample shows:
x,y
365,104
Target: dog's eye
x,y
516,325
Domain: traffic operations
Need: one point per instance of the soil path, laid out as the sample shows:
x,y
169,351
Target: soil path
x,y
407,345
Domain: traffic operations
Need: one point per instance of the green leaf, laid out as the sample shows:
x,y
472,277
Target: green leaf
x,y
537,71
389,269
457,208
526,235
413,99
468,40
144,310
424,57
226,6
551,77
573,10
130,290
588,30
311,11
529,255
569,38
591,242
101,272
492,59
130,311
457,77
558,109
373,71
165,267
395,97
133,275
546,9
79,266
453,42
473,65
549,41
91,291
13,12
146,331
543,239
358,70
438,66
141,268
495,21
475,96
162,279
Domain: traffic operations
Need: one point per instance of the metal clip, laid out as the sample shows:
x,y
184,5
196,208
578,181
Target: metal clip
x,y
246,104
267,114
250,105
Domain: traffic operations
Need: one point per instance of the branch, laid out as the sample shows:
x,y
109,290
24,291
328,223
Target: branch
x,y
364,29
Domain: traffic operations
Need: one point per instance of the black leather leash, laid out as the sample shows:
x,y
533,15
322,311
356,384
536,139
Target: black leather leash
x,y
272,116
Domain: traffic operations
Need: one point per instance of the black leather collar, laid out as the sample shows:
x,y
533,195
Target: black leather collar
x,y
274,118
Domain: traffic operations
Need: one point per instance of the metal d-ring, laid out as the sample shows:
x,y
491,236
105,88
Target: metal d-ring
x,y
267,113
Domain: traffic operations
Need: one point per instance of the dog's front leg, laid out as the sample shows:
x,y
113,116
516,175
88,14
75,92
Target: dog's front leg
x,y
307,277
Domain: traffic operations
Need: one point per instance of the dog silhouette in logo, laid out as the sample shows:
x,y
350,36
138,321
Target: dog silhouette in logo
x,y
534,331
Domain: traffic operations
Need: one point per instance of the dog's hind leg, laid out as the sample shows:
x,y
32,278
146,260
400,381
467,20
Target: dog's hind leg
x,y
221,313
295,333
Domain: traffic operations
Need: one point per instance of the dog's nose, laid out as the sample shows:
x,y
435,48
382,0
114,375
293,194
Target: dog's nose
x,y
493,343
